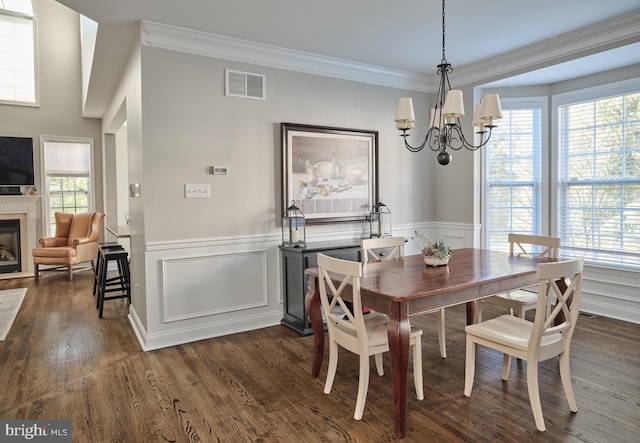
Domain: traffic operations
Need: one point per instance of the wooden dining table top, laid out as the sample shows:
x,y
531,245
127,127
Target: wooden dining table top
x,y
470,274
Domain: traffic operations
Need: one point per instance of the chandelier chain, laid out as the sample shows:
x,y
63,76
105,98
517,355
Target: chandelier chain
x,y
444,58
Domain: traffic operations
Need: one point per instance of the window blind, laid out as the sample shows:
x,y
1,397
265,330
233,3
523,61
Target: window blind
x,y
17,54
599,178
513,177
67,159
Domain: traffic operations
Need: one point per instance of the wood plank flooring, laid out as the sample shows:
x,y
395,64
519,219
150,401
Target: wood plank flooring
x,y
60,361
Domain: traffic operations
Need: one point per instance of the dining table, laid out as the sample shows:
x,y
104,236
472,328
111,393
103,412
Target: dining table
x,y
407,287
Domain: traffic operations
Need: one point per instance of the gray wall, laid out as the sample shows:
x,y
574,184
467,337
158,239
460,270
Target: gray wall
x,y
190,125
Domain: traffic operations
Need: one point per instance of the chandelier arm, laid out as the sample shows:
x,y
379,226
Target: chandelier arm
x,y
462,142
404,135
433,139
436,138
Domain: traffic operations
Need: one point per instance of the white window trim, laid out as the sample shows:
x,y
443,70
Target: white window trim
x,y
44,191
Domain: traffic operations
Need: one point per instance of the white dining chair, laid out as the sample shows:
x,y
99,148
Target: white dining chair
x,y
392,248
361,334
521,300
549,335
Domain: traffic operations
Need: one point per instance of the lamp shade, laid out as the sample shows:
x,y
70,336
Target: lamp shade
x,y
405,117
491,108
454,104
477,116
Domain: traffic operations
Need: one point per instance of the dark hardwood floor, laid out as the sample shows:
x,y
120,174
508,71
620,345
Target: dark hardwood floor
x,y
60,361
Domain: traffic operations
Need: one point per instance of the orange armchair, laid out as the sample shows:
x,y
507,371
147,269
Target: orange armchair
x,y
76,241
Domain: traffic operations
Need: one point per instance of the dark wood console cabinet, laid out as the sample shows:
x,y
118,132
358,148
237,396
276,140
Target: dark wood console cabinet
x,y
295,282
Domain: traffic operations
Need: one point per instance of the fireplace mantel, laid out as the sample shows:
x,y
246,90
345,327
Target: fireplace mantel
x,y
24,205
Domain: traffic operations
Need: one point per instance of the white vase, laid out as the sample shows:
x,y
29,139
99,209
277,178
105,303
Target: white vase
x,y
435,261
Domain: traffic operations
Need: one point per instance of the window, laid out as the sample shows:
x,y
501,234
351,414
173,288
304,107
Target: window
x,y
17,52
67,166
585,190
599,175
513,174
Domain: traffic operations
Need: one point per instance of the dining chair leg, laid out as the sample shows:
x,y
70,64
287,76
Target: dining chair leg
x,y
441,334
565,376
470,367
417,368
333,365
506,366
523,313
363,386
379,365
477,312
534,395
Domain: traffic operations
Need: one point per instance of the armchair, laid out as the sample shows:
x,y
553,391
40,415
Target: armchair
x,y
75,241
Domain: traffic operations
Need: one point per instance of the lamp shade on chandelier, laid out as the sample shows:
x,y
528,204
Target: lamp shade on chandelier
x,y
445,132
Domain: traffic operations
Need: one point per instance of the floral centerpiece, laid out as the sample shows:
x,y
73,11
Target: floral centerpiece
x,y
435,253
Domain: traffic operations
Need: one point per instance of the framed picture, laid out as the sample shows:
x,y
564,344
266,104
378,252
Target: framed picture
x,y
330,174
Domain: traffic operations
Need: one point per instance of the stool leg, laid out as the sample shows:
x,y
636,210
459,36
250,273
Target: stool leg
x,y
101,280
97,271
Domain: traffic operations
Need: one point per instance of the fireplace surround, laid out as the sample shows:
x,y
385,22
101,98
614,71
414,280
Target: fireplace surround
x,y
23,209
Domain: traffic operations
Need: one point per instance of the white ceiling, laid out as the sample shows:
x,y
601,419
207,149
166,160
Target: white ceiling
x,y
404,35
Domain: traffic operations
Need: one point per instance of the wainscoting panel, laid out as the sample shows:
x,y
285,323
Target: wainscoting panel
x,y
611,293
214,284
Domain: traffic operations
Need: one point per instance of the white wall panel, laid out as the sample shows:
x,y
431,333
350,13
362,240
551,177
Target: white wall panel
x,y
214,284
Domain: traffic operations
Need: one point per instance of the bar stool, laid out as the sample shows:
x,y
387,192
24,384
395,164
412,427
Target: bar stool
x,y
120,285
98,263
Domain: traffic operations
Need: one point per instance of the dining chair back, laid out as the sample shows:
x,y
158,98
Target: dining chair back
x,y
392,248
381,249
549,335
361,334
522,300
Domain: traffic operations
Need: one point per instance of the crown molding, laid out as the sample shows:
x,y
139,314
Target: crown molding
x,y
213,45
608,34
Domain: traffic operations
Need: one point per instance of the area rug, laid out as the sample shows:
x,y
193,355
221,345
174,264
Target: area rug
x,y
10,302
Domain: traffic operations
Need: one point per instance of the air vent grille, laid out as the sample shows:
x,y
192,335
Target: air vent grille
x,y
244,84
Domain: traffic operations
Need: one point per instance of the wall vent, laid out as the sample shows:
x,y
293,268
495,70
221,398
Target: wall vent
x,y
244,84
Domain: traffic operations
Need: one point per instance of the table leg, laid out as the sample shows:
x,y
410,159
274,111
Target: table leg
x,y
470,313
312,304
399,332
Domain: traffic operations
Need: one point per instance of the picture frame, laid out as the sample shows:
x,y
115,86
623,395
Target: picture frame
x,y
329,173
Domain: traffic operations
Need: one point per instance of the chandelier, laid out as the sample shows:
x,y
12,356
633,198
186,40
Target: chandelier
x,y
445,133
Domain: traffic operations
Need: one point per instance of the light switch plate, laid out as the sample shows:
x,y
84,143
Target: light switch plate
x,y
197,191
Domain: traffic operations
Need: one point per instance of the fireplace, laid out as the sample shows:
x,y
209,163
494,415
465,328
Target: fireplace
x,y
10,250
18,235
